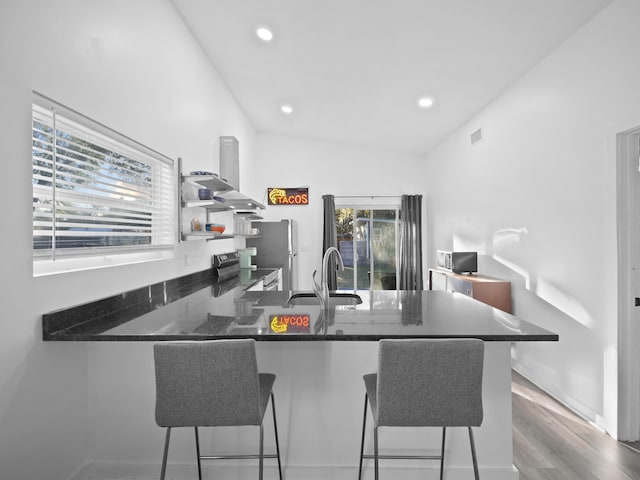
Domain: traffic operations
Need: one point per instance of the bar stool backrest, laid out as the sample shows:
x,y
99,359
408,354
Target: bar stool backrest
x,y
207,383
428,382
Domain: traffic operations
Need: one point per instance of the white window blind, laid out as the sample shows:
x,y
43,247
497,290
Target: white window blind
x,y
96,191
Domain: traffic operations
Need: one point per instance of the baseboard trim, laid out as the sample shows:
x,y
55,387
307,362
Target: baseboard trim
x,y
588,416
635,446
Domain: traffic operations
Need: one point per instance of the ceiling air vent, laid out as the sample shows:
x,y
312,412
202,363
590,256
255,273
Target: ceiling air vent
x,y
476,137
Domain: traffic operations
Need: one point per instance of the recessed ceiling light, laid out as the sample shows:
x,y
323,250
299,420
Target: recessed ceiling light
x,y
286,109
425,102
264,34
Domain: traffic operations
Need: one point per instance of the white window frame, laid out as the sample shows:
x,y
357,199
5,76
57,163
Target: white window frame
x,y
151,203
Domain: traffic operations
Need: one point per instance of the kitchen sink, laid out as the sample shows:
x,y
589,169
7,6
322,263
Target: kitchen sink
x,y
335,299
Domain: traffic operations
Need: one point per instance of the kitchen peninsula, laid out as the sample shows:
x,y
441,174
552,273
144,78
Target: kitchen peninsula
x,y
320,358
198,307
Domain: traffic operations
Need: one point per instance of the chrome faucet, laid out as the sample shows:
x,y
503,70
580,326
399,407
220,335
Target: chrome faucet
x,y
322,290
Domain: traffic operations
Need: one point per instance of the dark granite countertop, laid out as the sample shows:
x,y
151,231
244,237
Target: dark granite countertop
x,y
249,277
201,307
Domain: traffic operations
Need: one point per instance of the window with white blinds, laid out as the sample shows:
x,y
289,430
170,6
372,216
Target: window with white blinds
x,y
96,191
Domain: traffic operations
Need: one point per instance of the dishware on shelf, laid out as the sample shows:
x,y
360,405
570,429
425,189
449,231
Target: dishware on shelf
x,y
202,172
205,194
215,227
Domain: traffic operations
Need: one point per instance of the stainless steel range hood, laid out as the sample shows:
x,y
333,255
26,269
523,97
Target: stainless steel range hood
x,y
230,172
230,161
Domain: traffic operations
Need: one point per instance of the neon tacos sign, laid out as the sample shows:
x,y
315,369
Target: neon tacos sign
x,y
288,196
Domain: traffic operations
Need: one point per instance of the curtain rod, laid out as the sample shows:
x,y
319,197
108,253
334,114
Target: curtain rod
x,y
367,196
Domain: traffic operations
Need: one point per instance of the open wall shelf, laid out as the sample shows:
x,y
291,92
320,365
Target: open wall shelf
x,y
229,200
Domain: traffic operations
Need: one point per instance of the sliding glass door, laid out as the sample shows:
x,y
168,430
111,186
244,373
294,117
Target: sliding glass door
x,y
368,242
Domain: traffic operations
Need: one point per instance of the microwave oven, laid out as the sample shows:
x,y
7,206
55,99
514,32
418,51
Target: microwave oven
x,y
458,262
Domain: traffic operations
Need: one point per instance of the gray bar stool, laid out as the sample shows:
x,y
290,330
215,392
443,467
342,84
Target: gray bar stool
x,y
212,384
425,383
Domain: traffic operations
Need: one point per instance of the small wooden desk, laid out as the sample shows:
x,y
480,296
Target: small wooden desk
x,y
492,291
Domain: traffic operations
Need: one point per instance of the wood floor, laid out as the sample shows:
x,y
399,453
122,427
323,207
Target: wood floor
x,y
552,443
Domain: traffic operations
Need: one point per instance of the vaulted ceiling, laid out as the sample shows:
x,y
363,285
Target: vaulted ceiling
x,y
353,70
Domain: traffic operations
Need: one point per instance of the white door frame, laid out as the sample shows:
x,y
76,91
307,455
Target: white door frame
x,y
628,203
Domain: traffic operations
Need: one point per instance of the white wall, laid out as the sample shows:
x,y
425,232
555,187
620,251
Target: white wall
x,y
326,168
134,67
538,199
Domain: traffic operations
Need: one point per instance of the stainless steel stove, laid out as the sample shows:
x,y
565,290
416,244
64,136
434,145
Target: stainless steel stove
x,y
227,268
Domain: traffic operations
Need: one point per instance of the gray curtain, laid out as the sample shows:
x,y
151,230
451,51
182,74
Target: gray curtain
x,y
330,239
411,242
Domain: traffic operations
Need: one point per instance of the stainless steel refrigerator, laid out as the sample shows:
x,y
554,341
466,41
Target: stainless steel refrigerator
x,y
277,247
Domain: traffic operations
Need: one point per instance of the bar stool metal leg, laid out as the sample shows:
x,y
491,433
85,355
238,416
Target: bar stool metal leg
x,y
261,452
473,454
166,451
198,454
444,433
364,426
375,450
275,429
